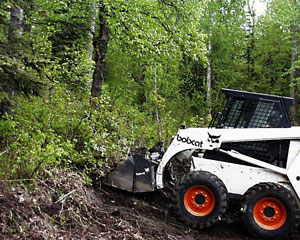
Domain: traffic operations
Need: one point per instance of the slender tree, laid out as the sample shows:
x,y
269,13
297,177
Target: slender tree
x,y
251,20
100,48
295,73
16,23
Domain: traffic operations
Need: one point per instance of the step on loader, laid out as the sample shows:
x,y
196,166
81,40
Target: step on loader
x,y
249,152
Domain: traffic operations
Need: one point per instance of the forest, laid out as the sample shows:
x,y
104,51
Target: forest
x,y
83,82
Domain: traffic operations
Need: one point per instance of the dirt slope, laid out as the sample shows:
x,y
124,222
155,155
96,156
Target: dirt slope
x,y
61,207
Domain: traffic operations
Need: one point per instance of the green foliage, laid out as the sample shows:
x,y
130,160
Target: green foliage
x,y
155,75
149,42
18,72
272,62
16,77
61,132
224,25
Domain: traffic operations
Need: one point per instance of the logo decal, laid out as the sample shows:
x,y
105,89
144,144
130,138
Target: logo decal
x,y
213,139
187,140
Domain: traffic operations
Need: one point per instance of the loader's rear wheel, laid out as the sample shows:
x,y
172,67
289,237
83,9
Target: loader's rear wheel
x,y
269,211
201,199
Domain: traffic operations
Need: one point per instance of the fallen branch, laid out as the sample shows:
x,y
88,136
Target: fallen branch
x,y
46,184
171,237
64,196
3,152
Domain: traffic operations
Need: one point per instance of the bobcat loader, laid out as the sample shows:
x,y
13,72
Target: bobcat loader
x,y
249,152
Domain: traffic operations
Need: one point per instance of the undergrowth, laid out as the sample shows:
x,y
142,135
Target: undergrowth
x,y
71,131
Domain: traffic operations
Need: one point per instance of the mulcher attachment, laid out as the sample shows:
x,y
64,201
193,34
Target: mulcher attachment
x,y
137,173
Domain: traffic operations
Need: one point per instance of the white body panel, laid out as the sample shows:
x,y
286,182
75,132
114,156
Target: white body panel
x,y
211,139
294,150
237,178
293,174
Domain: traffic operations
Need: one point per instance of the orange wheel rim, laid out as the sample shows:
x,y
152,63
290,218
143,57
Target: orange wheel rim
x,y
269,213
199,200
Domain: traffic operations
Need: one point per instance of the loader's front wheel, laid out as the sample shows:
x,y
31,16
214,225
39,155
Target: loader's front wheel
x,y
201,199
269,211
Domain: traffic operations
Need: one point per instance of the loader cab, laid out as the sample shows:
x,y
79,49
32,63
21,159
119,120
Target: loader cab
x,y
255,110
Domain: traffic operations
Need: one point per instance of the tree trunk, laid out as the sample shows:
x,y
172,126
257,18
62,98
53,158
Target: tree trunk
x,y
93,30
100,47
15,33
294,76
157,110
15,30
251,44
209,79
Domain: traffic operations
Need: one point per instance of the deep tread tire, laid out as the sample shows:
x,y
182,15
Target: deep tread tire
x,y
276,223
214,194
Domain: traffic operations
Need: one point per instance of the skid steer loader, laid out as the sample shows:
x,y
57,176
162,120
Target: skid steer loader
x,y
249,152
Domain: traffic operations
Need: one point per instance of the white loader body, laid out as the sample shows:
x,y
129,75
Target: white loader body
x,y
237,177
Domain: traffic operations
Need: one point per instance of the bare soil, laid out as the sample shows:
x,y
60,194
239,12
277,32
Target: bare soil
x,y
61,206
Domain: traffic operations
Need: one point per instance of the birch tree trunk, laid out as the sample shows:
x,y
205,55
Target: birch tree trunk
x,y
92,29
251,44
294,75
15,30
157,109
209,78
90,46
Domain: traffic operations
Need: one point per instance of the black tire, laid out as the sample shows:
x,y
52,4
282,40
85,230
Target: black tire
x,y
201,199
269,210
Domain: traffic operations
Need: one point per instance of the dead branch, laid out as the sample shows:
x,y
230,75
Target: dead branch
x,y
3,152
64,196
